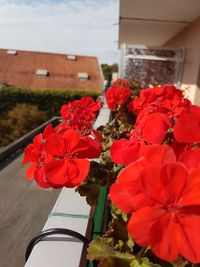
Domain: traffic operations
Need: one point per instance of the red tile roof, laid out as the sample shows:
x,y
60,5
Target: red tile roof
x,y
20,70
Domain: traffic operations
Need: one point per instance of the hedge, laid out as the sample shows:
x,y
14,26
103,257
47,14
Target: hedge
x,y
49,101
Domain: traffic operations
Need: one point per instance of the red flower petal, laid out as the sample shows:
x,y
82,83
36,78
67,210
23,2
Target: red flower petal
x,y
30,171
173,179
164,236
189,242
120,196
30,154
131,172
62,172
48,131
72,139
187,129
158,154
128,192
55,145
125,151
82,167
38,141
140,223
191,194
154,127
89,148
190,158
56,172
40,178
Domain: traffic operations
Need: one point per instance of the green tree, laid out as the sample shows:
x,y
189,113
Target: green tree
x,y
108,70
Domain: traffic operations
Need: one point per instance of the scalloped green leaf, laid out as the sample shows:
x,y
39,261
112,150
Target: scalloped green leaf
x,y
143,262
108,257
99,250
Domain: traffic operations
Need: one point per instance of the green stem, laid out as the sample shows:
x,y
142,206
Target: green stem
x,y
141,254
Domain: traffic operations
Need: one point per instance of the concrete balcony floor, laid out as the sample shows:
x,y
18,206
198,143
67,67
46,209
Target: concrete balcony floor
x,y
24,208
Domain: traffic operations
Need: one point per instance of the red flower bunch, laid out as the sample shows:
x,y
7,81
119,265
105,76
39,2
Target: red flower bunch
x,y
80,114
159,188
59,156
164,116
121,83
118,94
162,194
164,99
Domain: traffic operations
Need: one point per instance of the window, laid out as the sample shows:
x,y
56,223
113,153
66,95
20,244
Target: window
x,y
83,76
11,52
71,57
41,72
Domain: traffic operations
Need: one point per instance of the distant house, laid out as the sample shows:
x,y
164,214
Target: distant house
x,y
39,70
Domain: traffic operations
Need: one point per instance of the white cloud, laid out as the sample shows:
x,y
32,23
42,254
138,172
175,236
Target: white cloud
x,y
80,27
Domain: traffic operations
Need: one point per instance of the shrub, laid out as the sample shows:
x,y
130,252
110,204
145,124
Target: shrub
x,y
18,121
49,101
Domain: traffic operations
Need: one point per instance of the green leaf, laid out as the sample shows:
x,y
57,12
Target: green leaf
x,y
97,170
143,262
90,190
180,262
108,257
99,250
114,262
117,236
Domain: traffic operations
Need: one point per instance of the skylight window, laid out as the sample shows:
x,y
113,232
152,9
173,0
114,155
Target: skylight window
x,y
11,52
41,72
83,76
71,57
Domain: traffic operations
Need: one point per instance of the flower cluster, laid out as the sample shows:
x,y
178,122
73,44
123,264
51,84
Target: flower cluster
x,y
157,181
118,94
160,185
59,156
163,116
80,114
163,195
121,83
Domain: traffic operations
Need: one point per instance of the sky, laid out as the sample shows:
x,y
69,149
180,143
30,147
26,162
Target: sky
x,y
81,27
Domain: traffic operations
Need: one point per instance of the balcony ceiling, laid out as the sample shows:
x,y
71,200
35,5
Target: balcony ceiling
x,y
154,22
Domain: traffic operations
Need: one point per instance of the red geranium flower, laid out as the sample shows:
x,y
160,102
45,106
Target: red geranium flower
x,y
171,225
89,104
121,83
165,197
59,157
165,99
116,96
76,115
68,168
91,138
81,113
127,192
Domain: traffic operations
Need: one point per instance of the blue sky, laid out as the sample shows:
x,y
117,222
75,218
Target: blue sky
x,y
82,27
